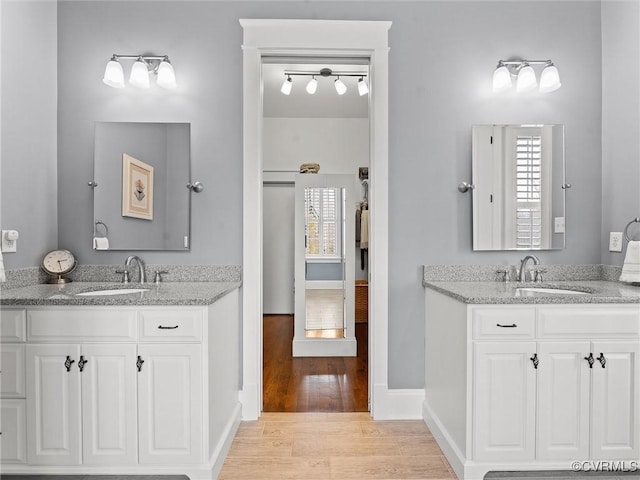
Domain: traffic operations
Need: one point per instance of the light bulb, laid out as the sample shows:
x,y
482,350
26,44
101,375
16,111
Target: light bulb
x,y
526,79
363,88
341,88
287,85
312,86
139,74
113,74
166,74
550,79
501,79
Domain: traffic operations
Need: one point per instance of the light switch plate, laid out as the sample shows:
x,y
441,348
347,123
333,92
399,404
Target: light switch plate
x,y
558,226
615,241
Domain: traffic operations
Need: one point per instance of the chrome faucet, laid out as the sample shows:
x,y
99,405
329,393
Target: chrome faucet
x,y
522,275
131,258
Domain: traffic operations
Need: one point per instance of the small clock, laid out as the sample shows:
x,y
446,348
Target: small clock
x,y
58,263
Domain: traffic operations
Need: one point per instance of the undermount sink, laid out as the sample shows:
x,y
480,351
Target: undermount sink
x,y
544,290
115,291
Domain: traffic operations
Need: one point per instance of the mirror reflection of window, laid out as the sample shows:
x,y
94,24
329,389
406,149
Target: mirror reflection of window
x,y
322,225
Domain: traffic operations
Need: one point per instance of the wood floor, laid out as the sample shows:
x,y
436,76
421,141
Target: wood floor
x,y
305,384
344,446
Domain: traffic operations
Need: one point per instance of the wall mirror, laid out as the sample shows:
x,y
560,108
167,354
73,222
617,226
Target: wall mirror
x,y
518,177
140,200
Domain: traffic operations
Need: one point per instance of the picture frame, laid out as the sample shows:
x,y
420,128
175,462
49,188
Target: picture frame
x,y
137,188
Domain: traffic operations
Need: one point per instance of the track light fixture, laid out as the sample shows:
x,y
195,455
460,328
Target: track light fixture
x,y
525,76
312,85
142,67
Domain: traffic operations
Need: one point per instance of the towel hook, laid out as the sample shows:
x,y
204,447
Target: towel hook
x,y
626,233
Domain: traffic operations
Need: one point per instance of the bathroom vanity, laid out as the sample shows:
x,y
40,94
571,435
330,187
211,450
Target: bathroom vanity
x,y
137,383
524,380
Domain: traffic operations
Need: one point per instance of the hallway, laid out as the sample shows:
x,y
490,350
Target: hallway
x,y
311,384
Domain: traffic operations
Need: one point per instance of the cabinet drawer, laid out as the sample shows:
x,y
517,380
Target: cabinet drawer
x,y
503,322
593,321
82,324
171,325
13,325
12,372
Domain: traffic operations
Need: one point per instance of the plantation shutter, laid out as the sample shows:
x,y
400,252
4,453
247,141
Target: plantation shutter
x,y
528,191
321,212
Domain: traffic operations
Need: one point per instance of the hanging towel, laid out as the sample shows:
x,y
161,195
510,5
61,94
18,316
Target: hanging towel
x,y
100,243
631,267
364,229
358,225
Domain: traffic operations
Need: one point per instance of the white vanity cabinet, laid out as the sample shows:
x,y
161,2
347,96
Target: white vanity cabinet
x,y
530,387
129,389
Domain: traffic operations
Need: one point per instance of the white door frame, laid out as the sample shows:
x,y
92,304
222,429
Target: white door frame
x,y
328,38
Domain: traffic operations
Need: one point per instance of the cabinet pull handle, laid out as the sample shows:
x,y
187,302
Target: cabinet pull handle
x,y
82,362
602,360
513,325
161,327
68,362
535,360
590,360
139,363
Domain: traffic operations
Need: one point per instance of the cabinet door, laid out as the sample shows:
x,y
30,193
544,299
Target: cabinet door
x,y
109,405
13,432
504,401
53,405
615,430
563,401
170,404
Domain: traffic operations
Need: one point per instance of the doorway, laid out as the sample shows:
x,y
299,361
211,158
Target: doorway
x,y
303,38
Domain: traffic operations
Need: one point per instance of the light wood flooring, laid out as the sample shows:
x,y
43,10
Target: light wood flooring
x,y
327,446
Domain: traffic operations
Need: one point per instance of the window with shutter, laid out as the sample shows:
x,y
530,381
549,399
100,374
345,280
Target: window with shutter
x,y
528,191
322,222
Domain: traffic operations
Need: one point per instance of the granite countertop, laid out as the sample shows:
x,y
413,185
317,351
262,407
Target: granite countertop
x,y
491,292
166,293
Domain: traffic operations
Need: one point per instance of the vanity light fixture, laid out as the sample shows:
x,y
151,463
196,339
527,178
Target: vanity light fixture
x,y
522,71
312,85
142,67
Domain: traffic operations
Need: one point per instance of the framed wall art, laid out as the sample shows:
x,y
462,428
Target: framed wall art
x,y
137,188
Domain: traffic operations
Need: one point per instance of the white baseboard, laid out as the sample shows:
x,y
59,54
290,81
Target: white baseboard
x,y
249,399
397,404
447,445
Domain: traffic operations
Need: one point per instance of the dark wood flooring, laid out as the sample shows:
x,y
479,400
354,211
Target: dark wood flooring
x,y
311,384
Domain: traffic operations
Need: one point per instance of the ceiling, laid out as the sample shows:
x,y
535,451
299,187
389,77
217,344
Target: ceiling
x,y
325,103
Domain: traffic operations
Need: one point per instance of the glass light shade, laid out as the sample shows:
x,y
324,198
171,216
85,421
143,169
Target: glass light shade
x,y
312,86
166,75
501,79
113,74
526,79
363,88
341,88
550,79
139,74
287,85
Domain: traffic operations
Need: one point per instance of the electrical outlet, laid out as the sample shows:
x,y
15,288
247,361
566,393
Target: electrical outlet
x,y
9,241
615,241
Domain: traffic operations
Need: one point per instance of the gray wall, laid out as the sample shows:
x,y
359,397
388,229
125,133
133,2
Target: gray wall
x,y
620,122
441,60
29,128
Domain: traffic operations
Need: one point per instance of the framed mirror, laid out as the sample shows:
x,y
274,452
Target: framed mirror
x,y
518,176
140,198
